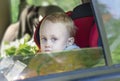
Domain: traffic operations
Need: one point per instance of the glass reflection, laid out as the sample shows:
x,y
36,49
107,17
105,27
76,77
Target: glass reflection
x,y
21,67
110,12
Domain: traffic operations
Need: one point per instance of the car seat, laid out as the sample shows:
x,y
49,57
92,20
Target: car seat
x,y
87,34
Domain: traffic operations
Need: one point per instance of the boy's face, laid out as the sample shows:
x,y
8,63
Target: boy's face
x,y
53,37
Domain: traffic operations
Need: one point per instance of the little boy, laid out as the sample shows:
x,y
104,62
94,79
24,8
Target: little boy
x,y
56,33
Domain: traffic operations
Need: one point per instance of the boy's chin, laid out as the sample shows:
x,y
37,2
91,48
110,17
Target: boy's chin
x,y
48,51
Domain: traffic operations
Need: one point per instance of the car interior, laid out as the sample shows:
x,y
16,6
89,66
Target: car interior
x,y
97,36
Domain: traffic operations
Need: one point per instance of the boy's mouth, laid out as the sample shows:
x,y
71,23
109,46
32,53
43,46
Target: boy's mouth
x,y
47,50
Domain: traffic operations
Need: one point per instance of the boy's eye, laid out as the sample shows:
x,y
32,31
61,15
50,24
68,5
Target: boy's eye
x,y
54,39
43,39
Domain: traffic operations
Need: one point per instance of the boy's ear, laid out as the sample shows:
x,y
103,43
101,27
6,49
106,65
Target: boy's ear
x,y
70,41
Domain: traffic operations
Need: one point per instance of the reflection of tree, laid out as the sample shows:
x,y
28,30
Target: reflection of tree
x,y
112,8
112,28
106,17
116,55
112,25
102,8
60,3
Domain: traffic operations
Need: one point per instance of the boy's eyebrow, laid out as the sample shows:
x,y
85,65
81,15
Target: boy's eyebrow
x,y
49,35
53,36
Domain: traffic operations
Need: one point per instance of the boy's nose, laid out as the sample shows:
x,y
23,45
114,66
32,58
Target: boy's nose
x,y
48,44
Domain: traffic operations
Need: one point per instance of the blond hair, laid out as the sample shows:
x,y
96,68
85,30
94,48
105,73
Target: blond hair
x,y
62,18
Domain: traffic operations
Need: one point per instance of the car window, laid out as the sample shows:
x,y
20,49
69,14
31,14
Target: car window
x,y
21,67
19,59
110,15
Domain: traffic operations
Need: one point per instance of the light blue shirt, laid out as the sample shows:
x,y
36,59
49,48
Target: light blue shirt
x,y
74,46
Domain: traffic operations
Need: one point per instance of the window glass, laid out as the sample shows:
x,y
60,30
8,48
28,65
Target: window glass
x,y
26,66
110,12
19,59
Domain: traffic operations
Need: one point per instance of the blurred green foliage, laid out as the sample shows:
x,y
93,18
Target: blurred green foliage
x,y
112,27
25,47
116,56
66,5
66,60
14,10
